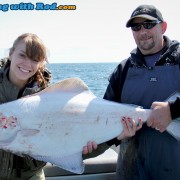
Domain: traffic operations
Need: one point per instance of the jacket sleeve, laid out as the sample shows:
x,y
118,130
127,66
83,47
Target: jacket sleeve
x,y
100,150
113,92
175,108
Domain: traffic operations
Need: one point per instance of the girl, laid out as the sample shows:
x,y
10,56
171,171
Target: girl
x,y
21,74
24,73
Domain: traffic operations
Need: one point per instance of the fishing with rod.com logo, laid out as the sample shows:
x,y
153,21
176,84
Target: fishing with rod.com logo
x,y
38,6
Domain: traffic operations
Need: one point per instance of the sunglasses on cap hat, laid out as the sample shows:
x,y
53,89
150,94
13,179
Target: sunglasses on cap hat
x,y
145,24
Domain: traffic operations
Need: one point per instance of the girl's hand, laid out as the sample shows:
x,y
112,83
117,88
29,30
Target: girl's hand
x,y
89,148
129,127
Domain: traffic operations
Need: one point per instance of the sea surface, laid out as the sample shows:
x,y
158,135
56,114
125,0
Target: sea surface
x,y
95,75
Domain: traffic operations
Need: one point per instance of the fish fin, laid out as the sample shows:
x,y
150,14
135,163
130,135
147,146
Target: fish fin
x,y
73,163
29,132
69,84
173,96
173,128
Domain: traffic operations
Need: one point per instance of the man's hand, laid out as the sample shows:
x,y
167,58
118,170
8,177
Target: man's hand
x,y
160,116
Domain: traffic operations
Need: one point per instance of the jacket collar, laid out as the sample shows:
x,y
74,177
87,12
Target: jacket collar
x,y
30,88
137,58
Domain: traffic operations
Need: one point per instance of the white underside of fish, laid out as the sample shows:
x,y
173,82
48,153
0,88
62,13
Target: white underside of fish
x,y
54,124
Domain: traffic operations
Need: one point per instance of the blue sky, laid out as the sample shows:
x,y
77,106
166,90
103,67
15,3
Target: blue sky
x,y
94,32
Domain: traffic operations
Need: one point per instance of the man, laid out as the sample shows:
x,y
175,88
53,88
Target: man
x,y
151,73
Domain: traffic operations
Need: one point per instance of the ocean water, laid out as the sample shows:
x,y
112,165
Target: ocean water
x,y
95,75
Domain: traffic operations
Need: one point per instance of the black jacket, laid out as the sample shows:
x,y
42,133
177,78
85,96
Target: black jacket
x,y
170,54
175,108
11,165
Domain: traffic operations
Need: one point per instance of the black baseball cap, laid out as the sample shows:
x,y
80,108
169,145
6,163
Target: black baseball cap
x,y
149,12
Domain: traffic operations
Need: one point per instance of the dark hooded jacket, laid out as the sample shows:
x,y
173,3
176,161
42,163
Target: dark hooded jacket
x,y
13,166
135,151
